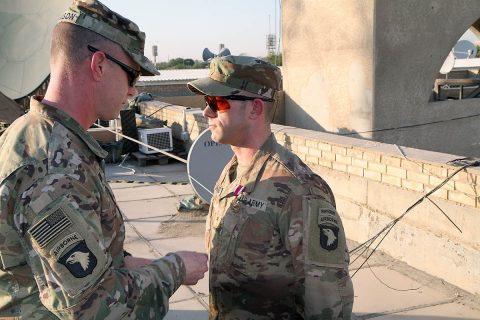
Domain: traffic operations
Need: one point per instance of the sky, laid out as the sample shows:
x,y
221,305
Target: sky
x,y
183,28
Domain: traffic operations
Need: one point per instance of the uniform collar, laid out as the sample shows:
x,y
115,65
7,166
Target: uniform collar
x,y
48,111
252,174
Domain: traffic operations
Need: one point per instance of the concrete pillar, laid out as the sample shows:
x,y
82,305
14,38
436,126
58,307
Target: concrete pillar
x,y
370,65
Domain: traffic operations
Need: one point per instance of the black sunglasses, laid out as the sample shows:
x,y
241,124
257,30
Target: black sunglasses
x,y
132,74
221,104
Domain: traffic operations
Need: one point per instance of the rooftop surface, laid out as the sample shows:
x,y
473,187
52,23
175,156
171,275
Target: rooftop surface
x,y
384,288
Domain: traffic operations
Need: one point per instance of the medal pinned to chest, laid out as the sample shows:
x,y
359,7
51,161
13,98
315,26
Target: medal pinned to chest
x,y
237,193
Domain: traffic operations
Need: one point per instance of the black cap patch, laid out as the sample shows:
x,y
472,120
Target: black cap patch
x,y
328,237
80,261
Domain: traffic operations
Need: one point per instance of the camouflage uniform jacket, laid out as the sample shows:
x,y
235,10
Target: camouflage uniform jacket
x,y
62,233
277,247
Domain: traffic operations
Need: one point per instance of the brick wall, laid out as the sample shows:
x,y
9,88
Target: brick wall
x,y
375,183
415,170
167,90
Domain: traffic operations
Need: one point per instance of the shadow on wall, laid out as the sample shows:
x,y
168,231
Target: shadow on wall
x,y
353,133
279,116
297,117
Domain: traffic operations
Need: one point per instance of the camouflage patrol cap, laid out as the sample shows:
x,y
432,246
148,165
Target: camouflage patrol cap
x,y
230,75
95,16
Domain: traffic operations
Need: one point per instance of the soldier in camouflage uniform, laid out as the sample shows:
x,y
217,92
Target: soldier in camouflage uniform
x,y
276,242
61,231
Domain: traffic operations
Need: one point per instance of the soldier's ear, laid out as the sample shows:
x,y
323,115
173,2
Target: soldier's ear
x,y
97,64
258,108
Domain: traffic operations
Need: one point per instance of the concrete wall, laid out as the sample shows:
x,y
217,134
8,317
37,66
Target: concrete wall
x,y
363,65
412,40
375,183
327,64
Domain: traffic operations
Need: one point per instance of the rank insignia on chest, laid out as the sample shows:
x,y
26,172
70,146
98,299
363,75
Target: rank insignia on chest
x,y
235,205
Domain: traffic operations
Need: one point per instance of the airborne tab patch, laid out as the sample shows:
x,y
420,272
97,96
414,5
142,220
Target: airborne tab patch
x,y
64,243
80,261
328,211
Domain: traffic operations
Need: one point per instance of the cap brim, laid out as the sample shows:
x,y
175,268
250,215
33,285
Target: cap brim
x,y
147,68
209,87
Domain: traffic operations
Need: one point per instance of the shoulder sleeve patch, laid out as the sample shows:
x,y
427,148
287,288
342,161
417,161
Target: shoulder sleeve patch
x,y
50,227
325,242
64,241
79,260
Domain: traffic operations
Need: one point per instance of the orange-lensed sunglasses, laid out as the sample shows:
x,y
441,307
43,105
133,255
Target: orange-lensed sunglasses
x,y
222,104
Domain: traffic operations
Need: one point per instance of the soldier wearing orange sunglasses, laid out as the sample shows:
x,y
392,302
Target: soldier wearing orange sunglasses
x,y
276,242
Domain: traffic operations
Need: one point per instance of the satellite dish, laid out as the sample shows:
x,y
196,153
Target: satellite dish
x,y
205,162
207,54
25,36
448,64
464,49
224,52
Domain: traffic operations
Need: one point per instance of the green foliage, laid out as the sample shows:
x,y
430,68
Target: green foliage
x,y
478,52
275,59
180,63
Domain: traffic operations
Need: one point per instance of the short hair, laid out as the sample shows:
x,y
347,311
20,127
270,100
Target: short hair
x,y
71,41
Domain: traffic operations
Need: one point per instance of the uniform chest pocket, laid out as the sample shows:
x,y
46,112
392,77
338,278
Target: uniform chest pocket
x,y
251,247
226,231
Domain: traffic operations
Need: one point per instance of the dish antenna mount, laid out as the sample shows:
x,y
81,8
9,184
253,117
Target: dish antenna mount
x,y
205,163
25,36
464,49
208,55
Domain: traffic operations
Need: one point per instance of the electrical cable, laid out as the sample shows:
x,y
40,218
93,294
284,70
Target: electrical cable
x,y
390,225
406,126
168,105
386,285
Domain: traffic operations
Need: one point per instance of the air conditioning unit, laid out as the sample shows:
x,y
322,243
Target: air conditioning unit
x,y
160,138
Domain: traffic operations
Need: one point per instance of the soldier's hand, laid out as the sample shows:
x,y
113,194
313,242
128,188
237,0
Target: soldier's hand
x,y
195,266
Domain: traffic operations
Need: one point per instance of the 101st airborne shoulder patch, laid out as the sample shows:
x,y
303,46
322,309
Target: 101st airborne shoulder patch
x,y
79,260
324,239
63,239
55,236
328,224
